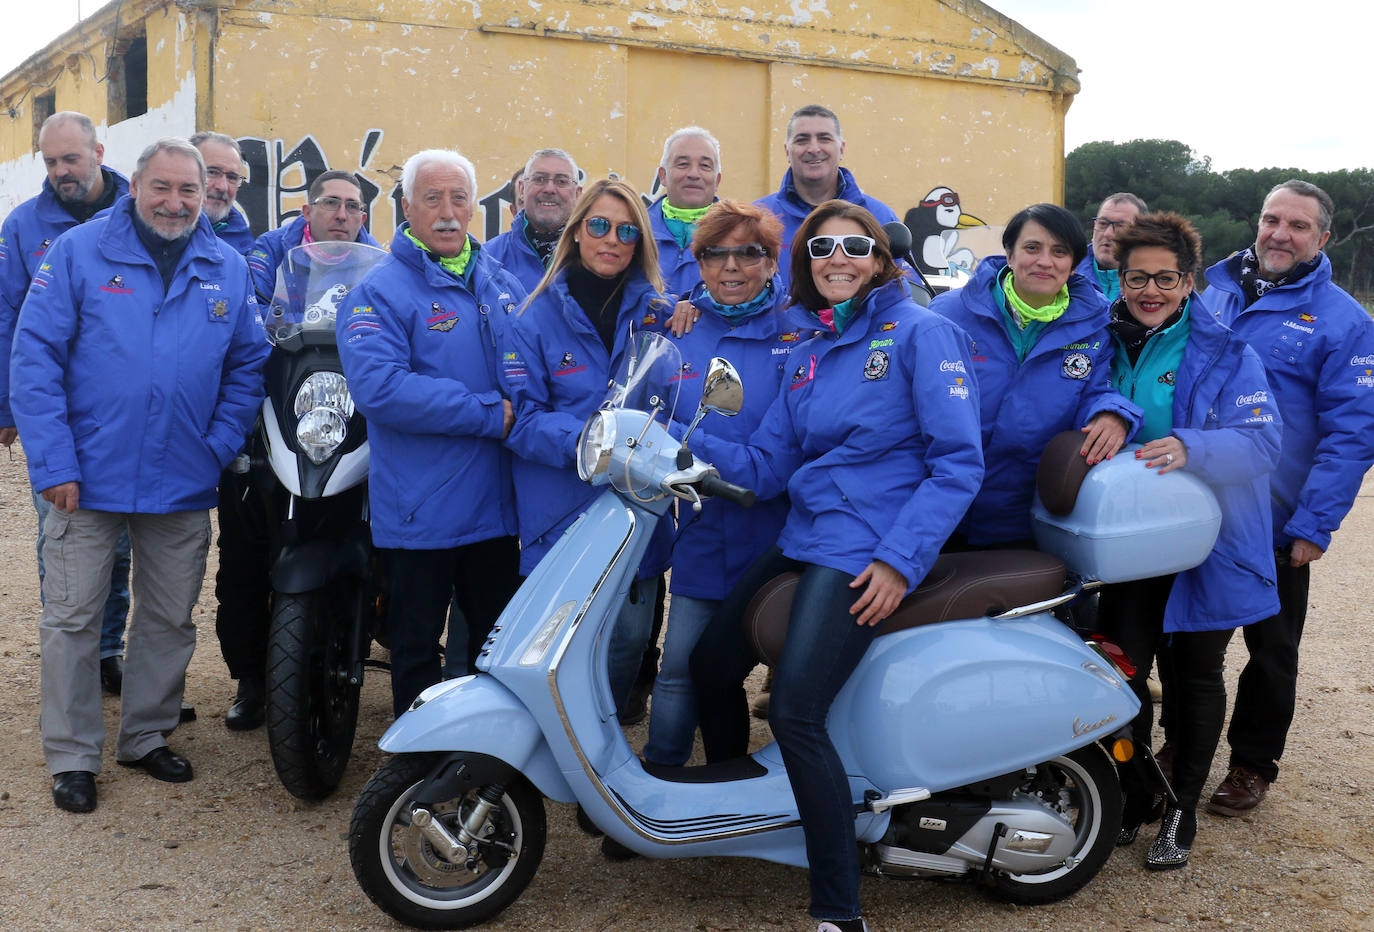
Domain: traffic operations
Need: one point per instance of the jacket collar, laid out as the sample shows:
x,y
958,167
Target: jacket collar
x,y
846,190
1086,303
1225,276
119,241
50,209
877,303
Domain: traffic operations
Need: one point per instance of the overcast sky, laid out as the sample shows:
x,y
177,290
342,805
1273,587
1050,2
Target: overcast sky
x,y
1251,85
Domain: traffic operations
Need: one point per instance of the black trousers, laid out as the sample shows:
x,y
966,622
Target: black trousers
x,y
482,576
1267,693
243,584
1191,665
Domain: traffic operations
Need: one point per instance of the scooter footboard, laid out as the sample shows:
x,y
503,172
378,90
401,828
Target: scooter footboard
x,y
476,713
956,695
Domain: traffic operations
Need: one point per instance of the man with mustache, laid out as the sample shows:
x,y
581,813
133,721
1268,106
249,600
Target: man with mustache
x,y
137,371
814,149
243,586
418,340
78,187
546,191
223,175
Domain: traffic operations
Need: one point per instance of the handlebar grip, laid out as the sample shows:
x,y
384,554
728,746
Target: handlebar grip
x,y
718,487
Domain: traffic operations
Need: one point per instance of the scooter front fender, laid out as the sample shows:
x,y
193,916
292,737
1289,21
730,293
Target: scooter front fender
x,y
476,713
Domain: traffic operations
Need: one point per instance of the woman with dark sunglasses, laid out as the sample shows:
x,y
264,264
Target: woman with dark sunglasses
x,y
1042,358
558,354
1208,410
874,436
739,297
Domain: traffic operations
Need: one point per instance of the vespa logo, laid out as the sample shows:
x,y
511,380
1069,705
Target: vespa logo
x,y
1080,728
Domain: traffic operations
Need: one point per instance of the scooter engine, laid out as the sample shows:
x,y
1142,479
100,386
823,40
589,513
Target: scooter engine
x,y
952,835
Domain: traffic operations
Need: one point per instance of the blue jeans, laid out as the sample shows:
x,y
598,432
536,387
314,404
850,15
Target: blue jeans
x,y
673,715
631,635
116,610
823,647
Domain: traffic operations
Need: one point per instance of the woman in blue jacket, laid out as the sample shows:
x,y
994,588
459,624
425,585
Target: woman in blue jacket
x,y
874,436
1042,359
558,354
740,297
1207,408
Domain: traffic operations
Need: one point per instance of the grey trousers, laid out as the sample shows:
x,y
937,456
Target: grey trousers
x,y
169,552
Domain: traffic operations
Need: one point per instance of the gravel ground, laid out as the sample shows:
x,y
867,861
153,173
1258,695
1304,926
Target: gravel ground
x,y
233,850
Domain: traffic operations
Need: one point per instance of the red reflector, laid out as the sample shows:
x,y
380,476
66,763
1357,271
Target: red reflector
x,y
1117,654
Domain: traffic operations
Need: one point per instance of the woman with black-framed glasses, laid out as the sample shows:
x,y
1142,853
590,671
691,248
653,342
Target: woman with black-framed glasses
x,y
874,436
559,351
1207,409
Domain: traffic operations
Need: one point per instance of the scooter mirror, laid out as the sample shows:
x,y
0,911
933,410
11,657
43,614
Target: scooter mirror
x,y
723,392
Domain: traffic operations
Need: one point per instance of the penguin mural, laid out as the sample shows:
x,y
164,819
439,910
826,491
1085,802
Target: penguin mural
x,y
935,226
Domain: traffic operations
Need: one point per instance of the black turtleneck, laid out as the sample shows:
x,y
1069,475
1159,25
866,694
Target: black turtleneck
x,y
166,253
81,211
599,299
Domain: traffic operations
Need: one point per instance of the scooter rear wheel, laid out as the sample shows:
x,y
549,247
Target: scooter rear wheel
x,y
399,869
1081,786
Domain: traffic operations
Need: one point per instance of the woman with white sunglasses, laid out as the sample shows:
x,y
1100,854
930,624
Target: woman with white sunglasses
x,y
558,353
874,436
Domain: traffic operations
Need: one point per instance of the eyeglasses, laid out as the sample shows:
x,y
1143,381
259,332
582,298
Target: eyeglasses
x,y
746,257
1135,279
1103,224
332,204
627,233
231,177
855,247
561,182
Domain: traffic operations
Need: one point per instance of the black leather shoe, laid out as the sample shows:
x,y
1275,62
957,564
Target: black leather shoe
x,y
74,790
188,712
112,674
248,709
162,764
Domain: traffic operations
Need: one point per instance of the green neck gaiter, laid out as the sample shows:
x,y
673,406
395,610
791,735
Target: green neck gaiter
x,y
682,221
1024,313
454,265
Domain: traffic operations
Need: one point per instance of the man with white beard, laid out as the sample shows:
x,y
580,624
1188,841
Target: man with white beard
x,y
136,374
223,175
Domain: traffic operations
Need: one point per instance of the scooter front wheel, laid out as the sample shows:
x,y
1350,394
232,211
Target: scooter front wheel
x,y
400,870
1081,786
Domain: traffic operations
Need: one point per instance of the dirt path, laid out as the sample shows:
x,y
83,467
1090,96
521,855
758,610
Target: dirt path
x,y
231,850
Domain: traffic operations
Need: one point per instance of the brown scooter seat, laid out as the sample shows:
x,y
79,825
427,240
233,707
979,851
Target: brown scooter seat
x,y
959,585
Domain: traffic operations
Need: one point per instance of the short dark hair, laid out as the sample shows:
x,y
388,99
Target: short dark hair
x,y
334,174
803,289
1165,229
725,216
814,110
1061,224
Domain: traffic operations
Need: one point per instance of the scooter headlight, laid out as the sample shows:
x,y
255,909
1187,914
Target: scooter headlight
x,y
323,407
594,447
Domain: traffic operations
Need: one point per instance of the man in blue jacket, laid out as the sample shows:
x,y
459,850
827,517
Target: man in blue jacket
x,y
418,341
690,176
814,149
334,210
1099,266
223,175
548,189
1317,344
136,372
78,187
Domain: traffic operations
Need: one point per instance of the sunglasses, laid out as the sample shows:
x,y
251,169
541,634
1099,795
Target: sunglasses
x,y
598,227
855,247
746,256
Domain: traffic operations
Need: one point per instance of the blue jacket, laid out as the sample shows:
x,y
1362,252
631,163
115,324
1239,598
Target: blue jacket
x,y
714,548
874,435
233,229
25,236
678,265
419,349
1111,289
1064,381
514,251
272,247
556,370
1226,418
1317,346
140,396
789,207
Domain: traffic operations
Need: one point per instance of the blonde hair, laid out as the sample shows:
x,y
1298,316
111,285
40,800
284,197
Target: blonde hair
x,y
566,253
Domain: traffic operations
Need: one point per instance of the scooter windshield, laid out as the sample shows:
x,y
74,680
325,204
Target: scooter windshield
x,y
649,380
312,282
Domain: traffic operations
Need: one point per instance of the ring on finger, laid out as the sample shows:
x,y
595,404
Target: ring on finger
x,y
1169,458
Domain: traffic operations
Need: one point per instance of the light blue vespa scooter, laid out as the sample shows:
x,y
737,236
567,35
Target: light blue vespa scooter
x,y
978,732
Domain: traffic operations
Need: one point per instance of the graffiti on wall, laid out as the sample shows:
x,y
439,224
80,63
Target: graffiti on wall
x,y
936,224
